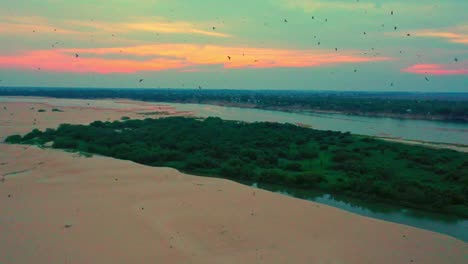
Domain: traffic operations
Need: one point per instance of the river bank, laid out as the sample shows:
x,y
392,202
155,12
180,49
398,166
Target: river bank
x,y
303,109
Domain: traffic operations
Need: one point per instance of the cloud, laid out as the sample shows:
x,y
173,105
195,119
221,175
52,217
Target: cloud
x,y
30,24
439,69
176,56
156,25
56,61
458,34
21,24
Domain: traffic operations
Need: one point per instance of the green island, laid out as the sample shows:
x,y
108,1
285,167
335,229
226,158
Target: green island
x,y
285,154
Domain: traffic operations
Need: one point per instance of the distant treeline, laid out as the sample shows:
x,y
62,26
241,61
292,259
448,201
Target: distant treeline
x,y
282,154
399,105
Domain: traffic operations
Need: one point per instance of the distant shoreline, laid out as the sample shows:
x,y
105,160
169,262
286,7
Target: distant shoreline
x,y
405,106
320,111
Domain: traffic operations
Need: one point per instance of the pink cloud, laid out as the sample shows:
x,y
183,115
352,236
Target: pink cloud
x,y
60,62
176,56
439,69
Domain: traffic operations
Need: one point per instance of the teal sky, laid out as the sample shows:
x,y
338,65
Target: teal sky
x,y
265,44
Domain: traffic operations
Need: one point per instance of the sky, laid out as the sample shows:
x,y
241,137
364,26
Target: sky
x,y
349,45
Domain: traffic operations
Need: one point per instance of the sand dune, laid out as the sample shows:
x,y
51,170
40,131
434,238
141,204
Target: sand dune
x,y
58,207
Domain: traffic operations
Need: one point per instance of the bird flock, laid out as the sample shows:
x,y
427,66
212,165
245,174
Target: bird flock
x,y
285,20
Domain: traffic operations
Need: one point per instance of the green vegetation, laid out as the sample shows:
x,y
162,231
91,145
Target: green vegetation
x,y
41,110
56,110
282,154
125,118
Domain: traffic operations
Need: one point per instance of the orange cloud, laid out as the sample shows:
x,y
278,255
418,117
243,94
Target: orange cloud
x,y
458,34
176,56
19,24
157,25
439,69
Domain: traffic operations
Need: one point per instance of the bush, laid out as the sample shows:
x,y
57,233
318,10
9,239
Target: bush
x,y
14,139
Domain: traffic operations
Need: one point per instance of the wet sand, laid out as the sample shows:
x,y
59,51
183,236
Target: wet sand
x,y
58,207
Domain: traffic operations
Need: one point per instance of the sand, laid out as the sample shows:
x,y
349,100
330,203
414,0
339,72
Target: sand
x,y
58,207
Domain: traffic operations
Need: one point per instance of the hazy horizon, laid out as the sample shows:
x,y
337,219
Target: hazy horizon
x,y
376,46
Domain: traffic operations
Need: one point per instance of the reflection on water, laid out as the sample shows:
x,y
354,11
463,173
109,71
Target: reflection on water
x,y
450,225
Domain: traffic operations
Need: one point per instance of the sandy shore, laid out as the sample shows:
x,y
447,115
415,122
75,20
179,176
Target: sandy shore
x,y
57,207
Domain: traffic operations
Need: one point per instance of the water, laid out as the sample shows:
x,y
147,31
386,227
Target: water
x,y
449,225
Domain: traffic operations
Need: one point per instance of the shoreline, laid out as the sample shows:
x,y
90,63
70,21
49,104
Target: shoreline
x,y
319,111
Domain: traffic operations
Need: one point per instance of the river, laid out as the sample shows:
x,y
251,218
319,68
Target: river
x,y
449,225
423,130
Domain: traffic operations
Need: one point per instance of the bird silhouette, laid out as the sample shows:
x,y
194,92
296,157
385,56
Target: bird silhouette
x,y
140,80
426,79
285,20
455,59
76,55
229,57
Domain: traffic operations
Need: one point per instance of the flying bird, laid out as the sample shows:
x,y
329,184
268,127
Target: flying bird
x,y
140,80
285,20
455,59
395,28
76,55
391,13
214,28
229,57
426,79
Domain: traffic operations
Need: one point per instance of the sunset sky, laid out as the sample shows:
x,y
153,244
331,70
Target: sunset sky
x,y
377,45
